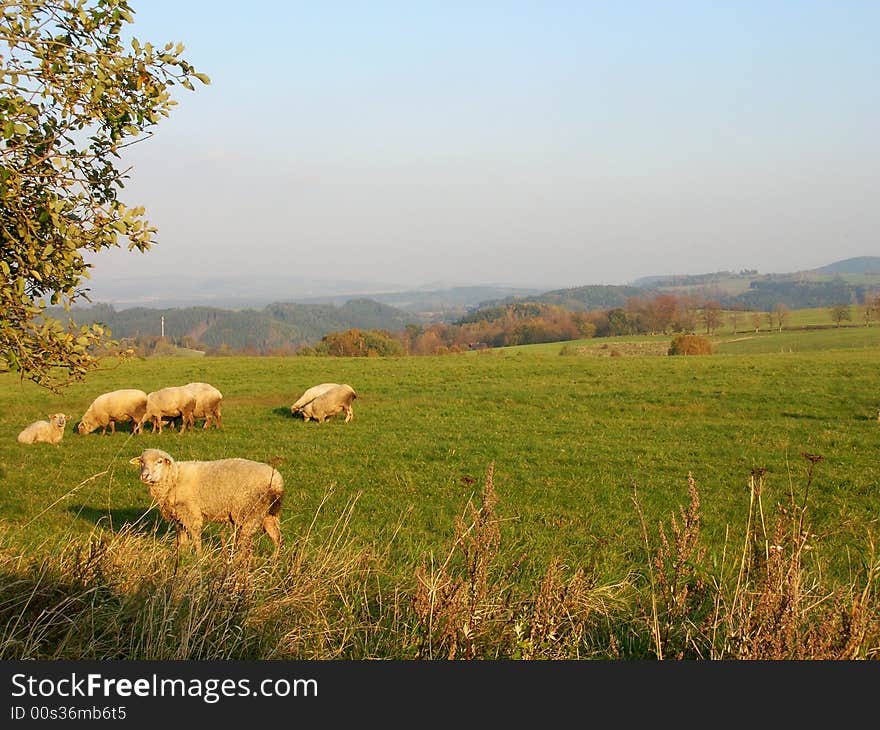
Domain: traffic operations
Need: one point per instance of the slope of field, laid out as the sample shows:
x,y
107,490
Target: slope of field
x,y
569,436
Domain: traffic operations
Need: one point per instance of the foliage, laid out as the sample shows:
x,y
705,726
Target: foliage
x,y
72,97
841,312
690,345
765,295
586,298
358,343
279,328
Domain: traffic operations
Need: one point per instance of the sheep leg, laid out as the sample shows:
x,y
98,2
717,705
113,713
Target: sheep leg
x,y
181,538
227,535
272,526
246,540
193,527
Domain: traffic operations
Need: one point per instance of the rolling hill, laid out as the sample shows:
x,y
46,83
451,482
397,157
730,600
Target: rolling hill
x,y
279,326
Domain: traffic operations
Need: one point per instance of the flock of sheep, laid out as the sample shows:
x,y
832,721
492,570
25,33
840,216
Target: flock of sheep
x,y
244,494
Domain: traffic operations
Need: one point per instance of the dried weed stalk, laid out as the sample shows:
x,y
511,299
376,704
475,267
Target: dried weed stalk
x,y
464,609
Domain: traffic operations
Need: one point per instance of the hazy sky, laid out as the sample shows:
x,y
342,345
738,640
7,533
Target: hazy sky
x,y
536,143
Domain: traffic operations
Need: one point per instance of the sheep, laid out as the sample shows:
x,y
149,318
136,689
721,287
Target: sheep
x,y
176,400
244,494
128,404
310,395
209,401
46,432
336,400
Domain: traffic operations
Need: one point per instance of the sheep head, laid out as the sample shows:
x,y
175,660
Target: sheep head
x,y
156,465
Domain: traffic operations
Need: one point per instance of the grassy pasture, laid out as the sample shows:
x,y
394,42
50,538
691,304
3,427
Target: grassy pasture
x,y
570,437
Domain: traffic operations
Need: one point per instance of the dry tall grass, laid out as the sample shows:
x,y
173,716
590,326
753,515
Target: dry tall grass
x,y
124,595
467,607
777,606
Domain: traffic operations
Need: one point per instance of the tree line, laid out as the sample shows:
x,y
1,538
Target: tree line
x,y
527,323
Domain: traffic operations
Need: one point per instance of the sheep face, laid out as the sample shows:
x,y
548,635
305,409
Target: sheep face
x,y
86,426
155,465
59,420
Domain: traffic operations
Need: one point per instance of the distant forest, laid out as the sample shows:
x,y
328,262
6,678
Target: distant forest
x,y
367,327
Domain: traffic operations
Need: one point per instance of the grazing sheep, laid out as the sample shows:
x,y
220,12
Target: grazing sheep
x,y
242,493
334,401
171,402
46,432
310,395
209,402
128,404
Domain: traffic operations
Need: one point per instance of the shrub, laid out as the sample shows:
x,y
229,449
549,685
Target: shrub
x,y
690,345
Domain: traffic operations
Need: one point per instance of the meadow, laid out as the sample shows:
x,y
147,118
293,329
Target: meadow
x,y
566,443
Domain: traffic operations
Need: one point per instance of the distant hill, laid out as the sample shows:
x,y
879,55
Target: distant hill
x,y
581,298
288,324
434,304
279,326
857,265
843,282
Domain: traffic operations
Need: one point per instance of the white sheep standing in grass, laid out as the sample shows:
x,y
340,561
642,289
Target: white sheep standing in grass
x,y
209,402
127,404
244,494
332,402
310,395
170,402
45,432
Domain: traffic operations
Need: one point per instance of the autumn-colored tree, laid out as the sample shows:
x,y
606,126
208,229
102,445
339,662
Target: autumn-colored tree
x,y
756,321
73,95
736,312
427,343
666,306
359,343
871,307
686,314
711,313
783,313
619,323
841,312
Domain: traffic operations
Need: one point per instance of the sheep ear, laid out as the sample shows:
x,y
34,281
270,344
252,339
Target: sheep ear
x,y
137,461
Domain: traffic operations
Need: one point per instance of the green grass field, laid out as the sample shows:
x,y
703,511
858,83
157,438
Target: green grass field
x,y
570,438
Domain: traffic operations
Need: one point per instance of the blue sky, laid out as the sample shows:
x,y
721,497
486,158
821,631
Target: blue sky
x,y
534,143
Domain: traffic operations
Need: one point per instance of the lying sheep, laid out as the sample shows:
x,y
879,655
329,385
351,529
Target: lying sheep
x,y
46,432
209,402
128,404
242,493
328,404
310,395
171,402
